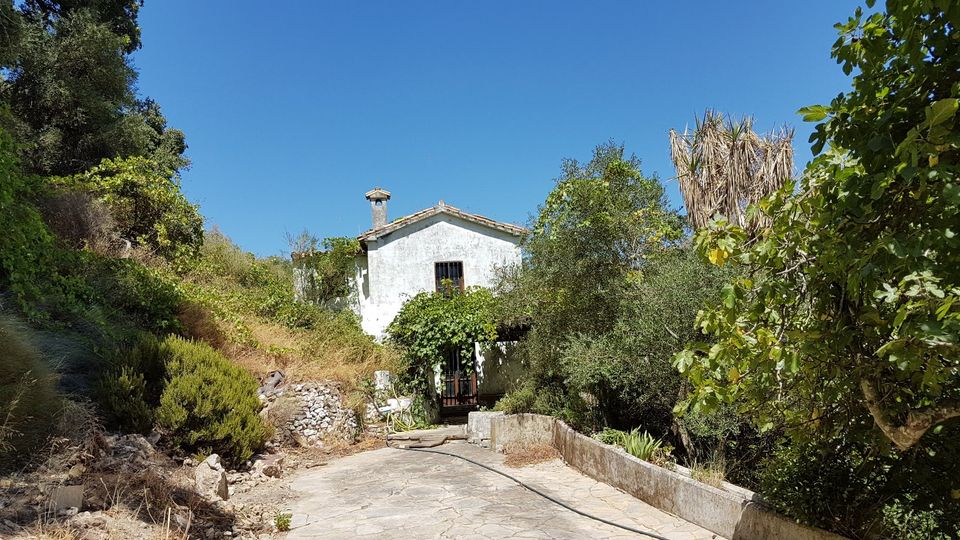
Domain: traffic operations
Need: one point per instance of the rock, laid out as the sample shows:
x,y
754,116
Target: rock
x,y
213,461
76,471
66,497
211,479
269,465
183,521
69,511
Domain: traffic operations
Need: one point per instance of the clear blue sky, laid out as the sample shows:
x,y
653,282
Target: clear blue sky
x,y
293,110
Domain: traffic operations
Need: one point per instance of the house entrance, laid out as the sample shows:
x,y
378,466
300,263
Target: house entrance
x,y
459,382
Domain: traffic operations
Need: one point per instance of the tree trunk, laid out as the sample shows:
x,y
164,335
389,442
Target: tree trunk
x,y
917,423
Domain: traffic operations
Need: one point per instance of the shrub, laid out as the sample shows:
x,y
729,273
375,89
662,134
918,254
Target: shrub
x,y
80,221
901,519
29,402
846,486
641,445
825,483
147,204
130,388
281,520
26,243
133,293
209,402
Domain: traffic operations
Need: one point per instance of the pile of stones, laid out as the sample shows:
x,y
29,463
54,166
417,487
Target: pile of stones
x,y
322,415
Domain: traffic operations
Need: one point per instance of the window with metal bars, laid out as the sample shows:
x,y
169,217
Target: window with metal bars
x,y
449,274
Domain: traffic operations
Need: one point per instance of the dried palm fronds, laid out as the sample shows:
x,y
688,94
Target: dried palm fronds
x,y
723,166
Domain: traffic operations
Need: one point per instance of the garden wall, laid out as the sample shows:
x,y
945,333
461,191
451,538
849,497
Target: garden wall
x,y
733,512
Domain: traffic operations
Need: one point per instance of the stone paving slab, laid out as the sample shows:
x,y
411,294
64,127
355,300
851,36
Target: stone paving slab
x,y
391,493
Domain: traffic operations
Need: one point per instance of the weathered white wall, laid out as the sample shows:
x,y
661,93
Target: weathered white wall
x,y
498,369
401,264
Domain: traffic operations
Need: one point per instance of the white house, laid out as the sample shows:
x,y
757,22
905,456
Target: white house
x,y
413,254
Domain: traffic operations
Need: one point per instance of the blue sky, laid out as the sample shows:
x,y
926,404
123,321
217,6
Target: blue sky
x,y
293,110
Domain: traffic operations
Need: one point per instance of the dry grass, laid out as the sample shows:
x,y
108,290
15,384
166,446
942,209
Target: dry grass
x,y
711,472
200,324
306,356
723,166
29,402
529,454
81,221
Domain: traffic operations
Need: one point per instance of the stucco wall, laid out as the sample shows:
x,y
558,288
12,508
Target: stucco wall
x,y
399,265
498,368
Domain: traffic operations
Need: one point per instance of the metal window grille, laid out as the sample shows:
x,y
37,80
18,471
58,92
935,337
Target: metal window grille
x,y
452,271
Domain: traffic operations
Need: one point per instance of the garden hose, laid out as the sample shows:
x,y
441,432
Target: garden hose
x,y
538,492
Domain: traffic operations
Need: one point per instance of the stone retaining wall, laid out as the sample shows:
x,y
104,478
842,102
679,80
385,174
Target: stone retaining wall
x,y
321,414
733,512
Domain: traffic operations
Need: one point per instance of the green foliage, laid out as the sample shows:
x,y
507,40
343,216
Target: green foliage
x,y
847,310
325,268
639,444
609,436
843,485
198,398
209,402
29,402
843,327
146,202
627,369
130,388
26,244
281,521
602,226
432,323
901,519
68,123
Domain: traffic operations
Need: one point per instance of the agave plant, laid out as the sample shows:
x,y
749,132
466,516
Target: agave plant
x,y
723,166
641,445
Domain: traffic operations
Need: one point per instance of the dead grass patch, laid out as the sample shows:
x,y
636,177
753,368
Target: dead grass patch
x,y
307,356
529,454
710,473
308,457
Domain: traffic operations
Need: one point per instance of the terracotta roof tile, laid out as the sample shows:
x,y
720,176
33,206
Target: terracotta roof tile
x,y
441,208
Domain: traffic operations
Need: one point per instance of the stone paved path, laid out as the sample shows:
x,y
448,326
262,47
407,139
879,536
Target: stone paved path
x,y
390,493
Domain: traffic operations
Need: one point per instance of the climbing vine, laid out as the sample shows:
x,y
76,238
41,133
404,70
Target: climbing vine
x,y
431,323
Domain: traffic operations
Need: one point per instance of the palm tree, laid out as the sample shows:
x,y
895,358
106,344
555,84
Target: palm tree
x,y
723,166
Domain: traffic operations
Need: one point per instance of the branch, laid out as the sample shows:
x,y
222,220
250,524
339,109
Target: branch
x,y
918,420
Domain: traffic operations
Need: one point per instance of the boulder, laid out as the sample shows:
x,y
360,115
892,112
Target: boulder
x,y
269,465
211,479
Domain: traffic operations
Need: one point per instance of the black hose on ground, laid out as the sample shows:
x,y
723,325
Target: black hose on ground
x,y
538,492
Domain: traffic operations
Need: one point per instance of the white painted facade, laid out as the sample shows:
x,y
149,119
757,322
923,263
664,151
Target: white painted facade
x,y
400,264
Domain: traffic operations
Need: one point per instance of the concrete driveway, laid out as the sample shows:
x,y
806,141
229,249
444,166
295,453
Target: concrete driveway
x,y
392,493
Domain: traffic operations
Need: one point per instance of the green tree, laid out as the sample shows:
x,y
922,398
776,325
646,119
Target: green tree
x,y
324,269
146,202
67,123
587,250
628,369
849,303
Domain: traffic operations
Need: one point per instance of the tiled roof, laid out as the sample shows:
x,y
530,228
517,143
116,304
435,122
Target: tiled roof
x,y
441,208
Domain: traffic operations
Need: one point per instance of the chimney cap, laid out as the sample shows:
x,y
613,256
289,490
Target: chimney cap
x,y
377,194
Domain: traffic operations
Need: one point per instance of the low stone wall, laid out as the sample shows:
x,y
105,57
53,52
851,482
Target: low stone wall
x,y
520,429
734,513
318,414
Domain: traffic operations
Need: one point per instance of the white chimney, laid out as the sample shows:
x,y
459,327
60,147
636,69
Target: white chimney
x,y
378,205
